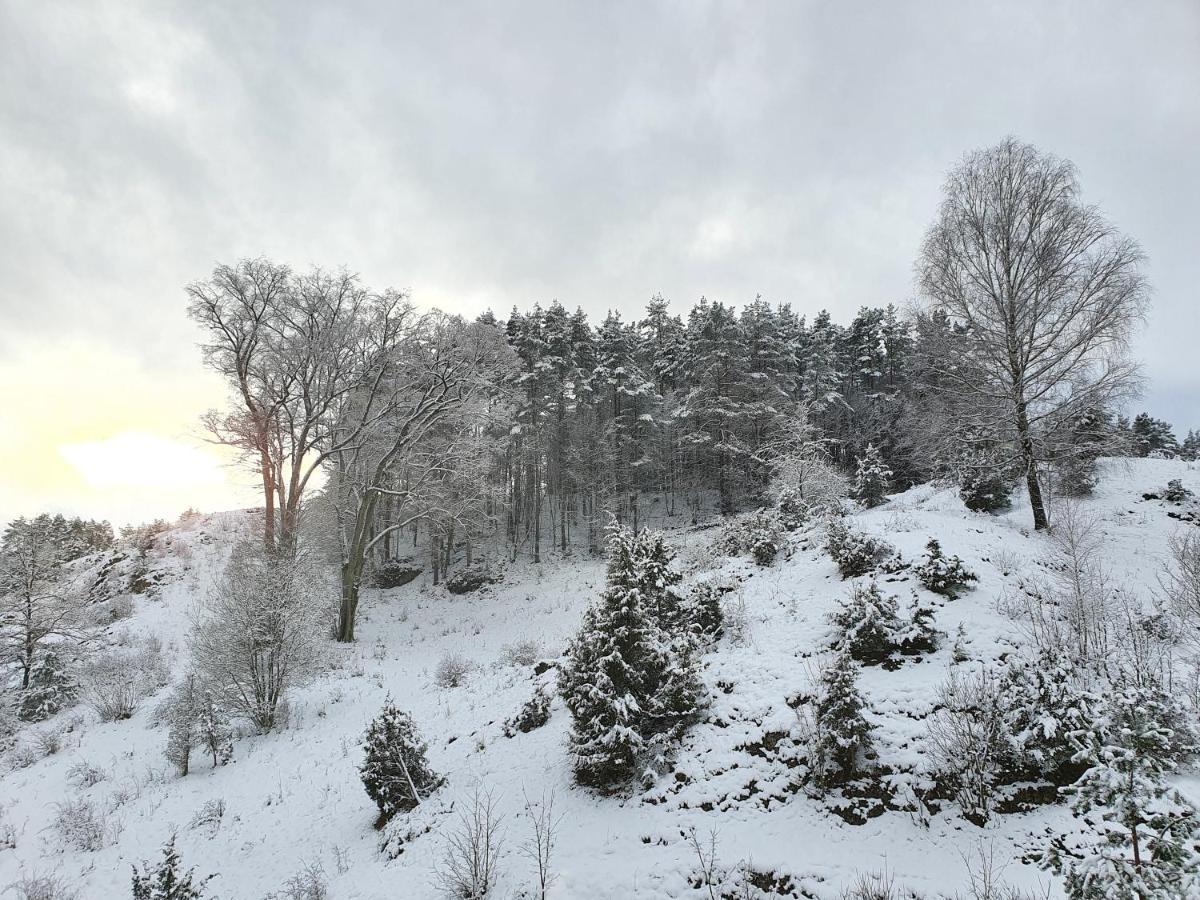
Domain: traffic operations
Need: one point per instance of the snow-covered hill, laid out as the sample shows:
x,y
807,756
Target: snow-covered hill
x,y
293,799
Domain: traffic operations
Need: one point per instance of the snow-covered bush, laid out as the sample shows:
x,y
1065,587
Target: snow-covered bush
x,y
868,624
521,653
115,682
82,826
984,486
840,735
942,574
1146,845
854,552
452,670
1175,492
629,677
702,609
259,633
394,771
534,713
42,887
872,478
307,884
968,740
52,688
167,879
469,865
760,533
1046,705
84,775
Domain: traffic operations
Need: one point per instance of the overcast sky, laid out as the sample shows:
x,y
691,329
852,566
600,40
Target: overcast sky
x,y
491,154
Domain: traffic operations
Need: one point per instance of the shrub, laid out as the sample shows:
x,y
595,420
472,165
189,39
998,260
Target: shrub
x,y
51,689
702,610
759,533
968,737
854,553
395,772
840,735
452,670
307,884
868,623
985,488
166,880
82,826
41,887
394,573
114,683
534,713
791,508
195,721
468,868
521,653
84,775
1175,492
942,574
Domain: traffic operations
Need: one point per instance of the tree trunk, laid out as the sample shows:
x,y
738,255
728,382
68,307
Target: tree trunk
x,y
352,568
1029,460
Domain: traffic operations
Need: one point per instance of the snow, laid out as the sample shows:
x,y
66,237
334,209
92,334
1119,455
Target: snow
x,y
294,797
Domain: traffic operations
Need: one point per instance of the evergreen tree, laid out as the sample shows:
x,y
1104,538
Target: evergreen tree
x,y
942,574
868,624
51,689
394,771
841,735
1146,845
1151,435
920,635
606,678
166,881
1190,448
873,478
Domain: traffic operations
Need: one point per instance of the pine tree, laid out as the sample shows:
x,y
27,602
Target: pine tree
x,y
1190,448
841,735
394,771
1146,845
1153,436
606,676
919,635
165,881
1047,709
983,484
873,478
631,677
213,733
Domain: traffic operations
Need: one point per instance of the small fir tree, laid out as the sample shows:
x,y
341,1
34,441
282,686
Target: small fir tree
x,y
167,881
841,735
1047,709
872,478
394,771
945,575
919,635
213,733
868,624
1146,845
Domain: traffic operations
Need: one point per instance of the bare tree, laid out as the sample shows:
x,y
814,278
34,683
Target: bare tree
x,y
38,601
260,631
469,865
1044,291
540,846
295,350
441,366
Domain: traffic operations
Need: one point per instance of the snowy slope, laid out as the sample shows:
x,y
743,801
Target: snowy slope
x,y
294,798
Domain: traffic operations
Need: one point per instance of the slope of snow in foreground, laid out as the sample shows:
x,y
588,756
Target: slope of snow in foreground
x,y
294,798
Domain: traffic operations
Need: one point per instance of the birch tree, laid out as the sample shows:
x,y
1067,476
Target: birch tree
x,y
1046,294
